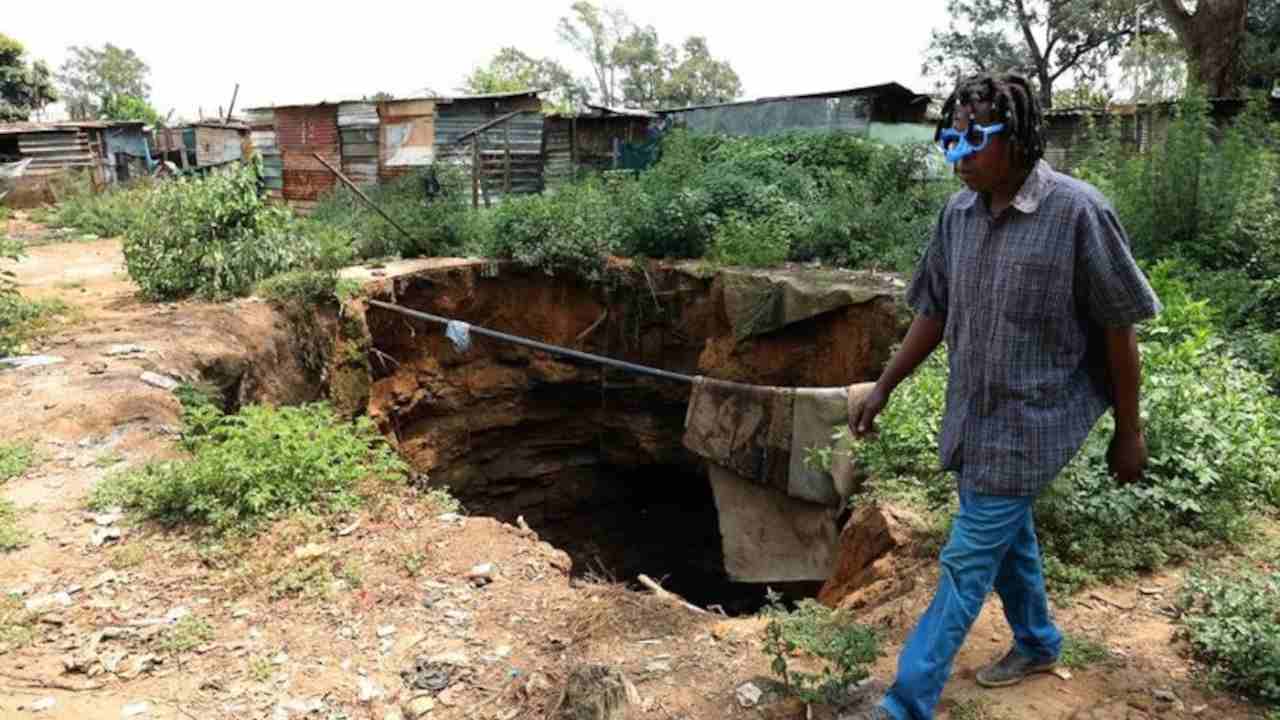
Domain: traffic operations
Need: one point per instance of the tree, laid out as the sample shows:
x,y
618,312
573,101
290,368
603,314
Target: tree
x,y
1155,67
131,107
1042,39
700,78
24,87
646,65
1261,56
1213,36
596,33
91,77
511,70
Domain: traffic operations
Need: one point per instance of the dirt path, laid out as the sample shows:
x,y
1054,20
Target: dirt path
x,y
321,619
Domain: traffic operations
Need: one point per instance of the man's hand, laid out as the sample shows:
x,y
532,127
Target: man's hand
x,y
864,406
1127,455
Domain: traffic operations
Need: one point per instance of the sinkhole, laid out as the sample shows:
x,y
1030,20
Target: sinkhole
x,y
592,457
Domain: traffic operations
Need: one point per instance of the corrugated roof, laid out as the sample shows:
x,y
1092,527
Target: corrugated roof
x,y
35,127
629,112
438,99
889,87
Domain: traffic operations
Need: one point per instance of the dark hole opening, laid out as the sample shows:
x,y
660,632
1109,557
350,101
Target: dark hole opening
x,y
656,520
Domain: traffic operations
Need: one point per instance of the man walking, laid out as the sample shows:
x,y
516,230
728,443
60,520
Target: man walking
x,y
1030,281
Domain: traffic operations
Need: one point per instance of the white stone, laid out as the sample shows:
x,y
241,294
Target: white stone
x,y
369,690
135,709
386,631
104,535
43,704
177,614
161,381
42,603
748,695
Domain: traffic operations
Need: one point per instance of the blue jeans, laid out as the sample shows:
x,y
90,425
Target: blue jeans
x,y
993,543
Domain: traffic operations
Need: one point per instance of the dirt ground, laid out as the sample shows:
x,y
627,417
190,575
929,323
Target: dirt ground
x,y
321,619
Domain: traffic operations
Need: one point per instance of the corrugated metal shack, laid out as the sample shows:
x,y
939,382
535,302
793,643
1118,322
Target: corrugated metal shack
x,y
358,127
201,145
501,134
302,132
379,142
110,151
590,141
262,140
1137,127
854,110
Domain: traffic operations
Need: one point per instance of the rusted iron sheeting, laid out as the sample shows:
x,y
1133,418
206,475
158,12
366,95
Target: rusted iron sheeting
x,y
300,132
216,145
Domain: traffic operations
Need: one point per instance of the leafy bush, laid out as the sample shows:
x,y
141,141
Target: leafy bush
x,y
215,237
572,230
15,458
845,647
255,465
832,197
109,213
1231,622
443,226
1213,433
1218,206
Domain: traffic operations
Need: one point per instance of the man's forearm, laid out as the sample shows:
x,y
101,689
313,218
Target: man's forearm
x,y
1126,376
922,337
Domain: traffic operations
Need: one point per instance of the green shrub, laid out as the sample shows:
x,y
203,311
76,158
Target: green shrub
x,y
845,647
107,213
15,458
255,465
214,237
571,230
1213,433
1218,206
1231,622
12,536
443,226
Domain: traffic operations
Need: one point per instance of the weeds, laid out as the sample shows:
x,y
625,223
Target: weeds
x,y
846,649
256,465
15,459
1079,652
17,624
127,556
1231,621
187,634
975,709
261,669
12,536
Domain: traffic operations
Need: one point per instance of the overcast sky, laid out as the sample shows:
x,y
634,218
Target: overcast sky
x,y
295,52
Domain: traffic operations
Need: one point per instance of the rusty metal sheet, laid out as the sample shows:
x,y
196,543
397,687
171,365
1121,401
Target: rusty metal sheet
x,y
406,108
307,126
306,184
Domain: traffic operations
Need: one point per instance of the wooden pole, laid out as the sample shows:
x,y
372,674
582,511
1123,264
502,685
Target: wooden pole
x,y
475,172
234,94
360,193
506,139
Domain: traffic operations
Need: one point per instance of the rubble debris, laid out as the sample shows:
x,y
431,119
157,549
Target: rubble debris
x,y
163,382
748,695
596,692
120,350
135,709
22,362
45,603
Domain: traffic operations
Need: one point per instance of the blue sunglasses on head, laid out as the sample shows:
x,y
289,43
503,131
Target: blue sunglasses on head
x,y
957,145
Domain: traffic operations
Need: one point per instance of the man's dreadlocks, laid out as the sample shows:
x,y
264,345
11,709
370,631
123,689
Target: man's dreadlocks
x,y
1012,103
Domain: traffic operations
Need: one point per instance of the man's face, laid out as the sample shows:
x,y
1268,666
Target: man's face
x,y
986,169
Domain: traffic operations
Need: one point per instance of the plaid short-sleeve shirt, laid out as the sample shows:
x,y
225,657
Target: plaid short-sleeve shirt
x,y
1025,297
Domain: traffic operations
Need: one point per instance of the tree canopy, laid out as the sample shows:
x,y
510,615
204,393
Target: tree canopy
x,y
1041,39
24,87
92,77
